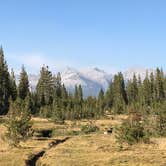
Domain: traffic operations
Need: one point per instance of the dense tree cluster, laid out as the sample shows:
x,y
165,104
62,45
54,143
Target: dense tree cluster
x,y
144,100
136,93
52,100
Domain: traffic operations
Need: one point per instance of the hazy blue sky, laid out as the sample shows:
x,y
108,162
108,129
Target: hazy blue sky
x,y
109,34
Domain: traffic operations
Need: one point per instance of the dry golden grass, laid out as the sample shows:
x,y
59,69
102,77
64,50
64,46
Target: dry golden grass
x,y
40,123
98,149
17,156
91,150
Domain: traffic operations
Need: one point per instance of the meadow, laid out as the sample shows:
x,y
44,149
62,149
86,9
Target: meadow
x,y
68,145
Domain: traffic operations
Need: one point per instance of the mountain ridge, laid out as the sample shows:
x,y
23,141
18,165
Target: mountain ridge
x,y
91,79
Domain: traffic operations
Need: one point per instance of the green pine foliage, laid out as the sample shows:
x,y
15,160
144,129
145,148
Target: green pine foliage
x,y
109,97
147,91
45,92
23,86
132,90
119,94
45,87
159,84
132,131
101,102
89,128
4,84
19,126
160,118
52,100
13,86
152,88
57,112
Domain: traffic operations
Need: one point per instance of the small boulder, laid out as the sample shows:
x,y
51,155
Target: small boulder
x,y
105,133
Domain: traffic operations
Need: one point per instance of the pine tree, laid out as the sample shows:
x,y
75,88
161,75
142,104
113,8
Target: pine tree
x,y
152,87
76,103
19,126
57,113
13,87
4,84
131,131
160,112
159,84
140,92
70,106
58,84
129,91
45,87
135,88
28,103
23,86
119,94
101,102
109,96
76,93
34,103
64,99
80,94
147,90
165,87
78,100
132,90
89,108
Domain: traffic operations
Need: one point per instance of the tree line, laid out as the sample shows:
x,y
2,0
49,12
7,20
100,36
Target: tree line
x,y
52,100
143,100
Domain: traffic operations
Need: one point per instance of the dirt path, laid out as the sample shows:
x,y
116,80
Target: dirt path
x,y
32,160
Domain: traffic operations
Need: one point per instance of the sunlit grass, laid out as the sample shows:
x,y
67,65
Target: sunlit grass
x,y
81,149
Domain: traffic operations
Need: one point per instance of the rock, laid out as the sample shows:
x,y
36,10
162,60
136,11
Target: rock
x,y
105,133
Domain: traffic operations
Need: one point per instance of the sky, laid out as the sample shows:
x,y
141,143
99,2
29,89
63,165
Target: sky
x,y
108,34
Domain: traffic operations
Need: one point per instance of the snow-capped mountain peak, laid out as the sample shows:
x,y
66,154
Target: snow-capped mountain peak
x,y
138,71
98,76
91,79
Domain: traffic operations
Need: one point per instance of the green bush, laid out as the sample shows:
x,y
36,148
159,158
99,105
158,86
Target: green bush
x,y
2,120
89,128
160,114
19,126
131,133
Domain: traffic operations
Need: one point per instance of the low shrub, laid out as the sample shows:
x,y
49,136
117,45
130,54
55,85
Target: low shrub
x,y
89,128
131,133
19,125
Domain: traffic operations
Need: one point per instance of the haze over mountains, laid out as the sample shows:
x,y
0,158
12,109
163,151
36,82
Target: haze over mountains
x,y
91,79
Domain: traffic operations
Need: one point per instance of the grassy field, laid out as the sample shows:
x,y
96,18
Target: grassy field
x,y
95,149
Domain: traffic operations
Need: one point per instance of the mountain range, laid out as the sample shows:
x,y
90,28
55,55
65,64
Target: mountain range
x,y
91,79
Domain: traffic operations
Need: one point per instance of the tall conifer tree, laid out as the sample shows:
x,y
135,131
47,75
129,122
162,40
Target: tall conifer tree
x,y
4,84
23,86
13,87
159,84
119,94
101,102
45,87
